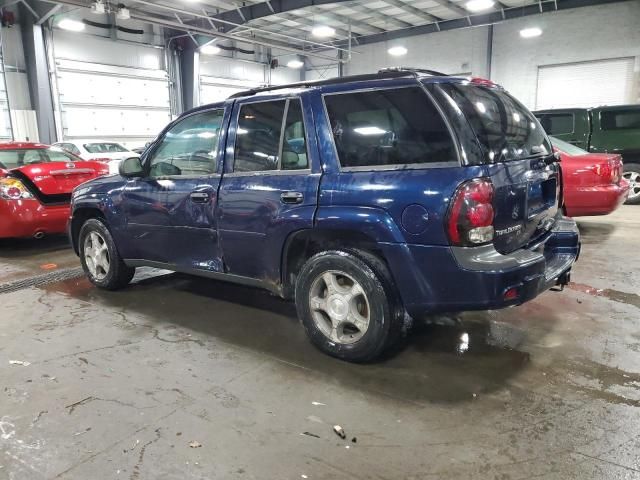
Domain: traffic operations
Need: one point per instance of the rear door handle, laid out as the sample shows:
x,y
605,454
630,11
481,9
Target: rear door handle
x,y
291,197
199,197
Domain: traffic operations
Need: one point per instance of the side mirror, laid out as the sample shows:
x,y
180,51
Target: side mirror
x,y
131,168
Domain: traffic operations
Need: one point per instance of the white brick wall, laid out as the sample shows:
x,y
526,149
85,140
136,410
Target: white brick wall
x,y
453,51
590,33
583,34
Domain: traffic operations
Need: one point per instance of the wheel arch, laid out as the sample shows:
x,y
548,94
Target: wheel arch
x,y
80,216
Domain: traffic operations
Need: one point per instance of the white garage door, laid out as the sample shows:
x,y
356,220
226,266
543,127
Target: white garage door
x,y
128,105
215,89
585,84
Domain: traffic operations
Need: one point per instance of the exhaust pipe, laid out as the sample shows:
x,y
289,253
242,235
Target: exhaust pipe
x,y
38,235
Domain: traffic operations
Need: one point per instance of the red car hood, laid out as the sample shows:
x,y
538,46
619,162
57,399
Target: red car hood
x,y
55,178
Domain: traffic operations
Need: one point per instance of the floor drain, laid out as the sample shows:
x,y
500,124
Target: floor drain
x,y
39,280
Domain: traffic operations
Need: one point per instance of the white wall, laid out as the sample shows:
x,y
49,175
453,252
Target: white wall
x,y
454,51
589,33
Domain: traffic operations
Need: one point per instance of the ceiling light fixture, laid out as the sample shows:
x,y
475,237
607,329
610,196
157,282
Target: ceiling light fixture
x,y
398,51
323,31
295,64
210,50
123,13
479,5
98,7
530,32
71,25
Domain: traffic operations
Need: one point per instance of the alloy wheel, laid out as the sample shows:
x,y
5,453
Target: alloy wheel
x,y
634,180
340,307
96,255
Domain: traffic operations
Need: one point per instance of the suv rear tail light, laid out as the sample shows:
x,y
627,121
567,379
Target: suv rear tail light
x,y
13,189
470,217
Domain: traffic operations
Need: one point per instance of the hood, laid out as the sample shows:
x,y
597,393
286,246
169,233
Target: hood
x,y
59,178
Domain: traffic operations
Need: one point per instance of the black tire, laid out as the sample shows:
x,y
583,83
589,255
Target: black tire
x,y
632,172
118,275
386,315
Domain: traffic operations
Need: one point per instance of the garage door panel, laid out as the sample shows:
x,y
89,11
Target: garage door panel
x,y
585,84
112,122
86,88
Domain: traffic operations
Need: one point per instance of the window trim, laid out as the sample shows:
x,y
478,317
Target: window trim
x,y
146,167
235,120
402,166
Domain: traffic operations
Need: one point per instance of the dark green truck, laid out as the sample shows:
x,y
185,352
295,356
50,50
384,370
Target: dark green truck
x,y
614,129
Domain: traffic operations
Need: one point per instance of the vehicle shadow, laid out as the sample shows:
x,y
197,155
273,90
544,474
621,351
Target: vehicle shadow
x,y
26,247
445,359
595,232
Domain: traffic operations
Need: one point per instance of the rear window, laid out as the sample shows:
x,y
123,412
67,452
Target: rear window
x,y
557,123
505,128
620,120
20,157
388,128
104,148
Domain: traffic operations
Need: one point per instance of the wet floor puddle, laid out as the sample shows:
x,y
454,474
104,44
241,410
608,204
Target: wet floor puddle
x,y
615,295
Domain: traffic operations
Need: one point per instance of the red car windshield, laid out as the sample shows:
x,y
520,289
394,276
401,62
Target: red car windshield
x,y
31,156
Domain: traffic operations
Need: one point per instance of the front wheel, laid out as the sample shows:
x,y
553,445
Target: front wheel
x,y
632,175
348,306
100,259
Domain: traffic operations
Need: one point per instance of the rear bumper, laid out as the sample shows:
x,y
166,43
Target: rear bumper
x,y
445,279
596,200
26,218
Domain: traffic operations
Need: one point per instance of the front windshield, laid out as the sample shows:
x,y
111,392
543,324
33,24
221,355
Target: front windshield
x,y
104,148
16,158
505,128
566,147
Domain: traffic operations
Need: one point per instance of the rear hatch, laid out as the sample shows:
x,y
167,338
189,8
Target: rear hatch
x,y
53,182
518,158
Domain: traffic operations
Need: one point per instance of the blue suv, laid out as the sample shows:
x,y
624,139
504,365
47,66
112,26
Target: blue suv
x,y
370,200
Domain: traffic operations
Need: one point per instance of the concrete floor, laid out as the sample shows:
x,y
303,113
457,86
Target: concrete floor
x,y
121,385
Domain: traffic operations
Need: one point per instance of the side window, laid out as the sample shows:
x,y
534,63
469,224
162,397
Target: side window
x,y
558,123
189,148
294,145
621,120
387,128
258,136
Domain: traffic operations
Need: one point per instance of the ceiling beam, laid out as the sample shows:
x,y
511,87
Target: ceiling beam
x,y
418,12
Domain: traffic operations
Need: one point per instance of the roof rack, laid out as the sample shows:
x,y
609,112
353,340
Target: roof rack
x,y
396,72
415,71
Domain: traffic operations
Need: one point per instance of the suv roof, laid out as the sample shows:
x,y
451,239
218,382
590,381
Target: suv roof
x,y
397,72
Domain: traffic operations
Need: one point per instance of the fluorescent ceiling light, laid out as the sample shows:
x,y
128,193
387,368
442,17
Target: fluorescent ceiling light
x,y
479,5
323,31
530,32
295,64
210,50
72,25
397,51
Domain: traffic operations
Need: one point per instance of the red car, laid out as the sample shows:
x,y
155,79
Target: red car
x,y
35,188
593,183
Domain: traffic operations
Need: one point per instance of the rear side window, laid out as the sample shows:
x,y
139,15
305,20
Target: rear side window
x,y
104,148
557,123
620,120
262,144
388,128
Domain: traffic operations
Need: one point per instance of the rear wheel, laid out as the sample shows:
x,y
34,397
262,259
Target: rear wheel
x,y
632,174
348,306
100,259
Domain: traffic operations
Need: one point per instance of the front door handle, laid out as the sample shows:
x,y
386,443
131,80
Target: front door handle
x,y
291,197
199,197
